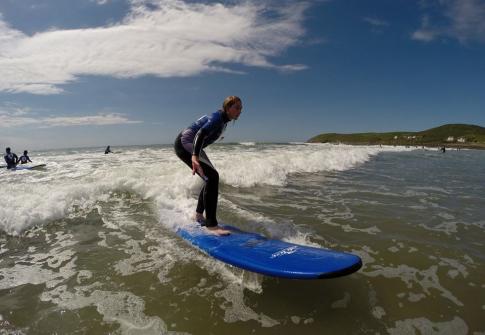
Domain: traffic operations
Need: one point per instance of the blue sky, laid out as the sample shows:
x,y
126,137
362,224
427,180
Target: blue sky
x,y
119,72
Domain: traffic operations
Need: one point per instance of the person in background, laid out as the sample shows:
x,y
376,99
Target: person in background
x,y
24,158
189,148
108,150
11,159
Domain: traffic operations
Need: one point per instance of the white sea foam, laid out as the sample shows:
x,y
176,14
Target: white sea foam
x,y
425,326
427,279
273,165
50,268
123,308
236,309
74,182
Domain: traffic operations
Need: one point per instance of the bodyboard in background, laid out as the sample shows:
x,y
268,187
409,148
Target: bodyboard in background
x,y
30,167
270,257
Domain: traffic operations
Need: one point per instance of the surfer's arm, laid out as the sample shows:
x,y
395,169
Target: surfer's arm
x,y
199,142
197,147
196,167
207,132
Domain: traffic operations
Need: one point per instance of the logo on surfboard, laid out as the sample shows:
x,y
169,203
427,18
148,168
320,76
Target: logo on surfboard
x,y
286,251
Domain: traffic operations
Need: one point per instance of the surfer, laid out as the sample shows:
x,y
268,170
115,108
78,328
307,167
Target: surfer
x,y
108,150
11,159
24,158
189,148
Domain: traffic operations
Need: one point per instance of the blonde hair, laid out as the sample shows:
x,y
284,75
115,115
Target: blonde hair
x,y
229,102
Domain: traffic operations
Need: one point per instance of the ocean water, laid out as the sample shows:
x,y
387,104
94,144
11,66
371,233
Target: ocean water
x,y
88,244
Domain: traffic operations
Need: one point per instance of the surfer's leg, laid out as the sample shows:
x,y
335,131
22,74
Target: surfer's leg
x,y
210,194
186,157
199,211
200,202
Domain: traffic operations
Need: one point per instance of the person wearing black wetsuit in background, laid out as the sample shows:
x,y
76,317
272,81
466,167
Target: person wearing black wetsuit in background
x,y
108,150
24,158
11,159
189,146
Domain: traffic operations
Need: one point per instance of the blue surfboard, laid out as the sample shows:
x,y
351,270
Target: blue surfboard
x,y
271,257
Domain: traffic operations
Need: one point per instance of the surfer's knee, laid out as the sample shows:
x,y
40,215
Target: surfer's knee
x,y
212,176
215,176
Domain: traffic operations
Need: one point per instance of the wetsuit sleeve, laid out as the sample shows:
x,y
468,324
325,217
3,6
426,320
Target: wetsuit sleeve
x,y
208,132
199,141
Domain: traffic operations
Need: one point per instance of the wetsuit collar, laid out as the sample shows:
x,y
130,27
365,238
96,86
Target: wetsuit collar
x,y
225,118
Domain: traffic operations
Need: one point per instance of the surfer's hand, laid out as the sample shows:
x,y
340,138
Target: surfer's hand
x,y
196,166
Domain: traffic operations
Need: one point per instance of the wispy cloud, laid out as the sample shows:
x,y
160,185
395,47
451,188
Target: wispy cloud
x,y
426,33
13,116
377,25
376,22
164,38
89,120
100,2
464,20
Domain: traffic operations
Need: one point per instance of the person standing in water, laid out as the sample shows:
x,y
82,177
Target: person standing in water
x,y
189,146
25,158
11,159
108,150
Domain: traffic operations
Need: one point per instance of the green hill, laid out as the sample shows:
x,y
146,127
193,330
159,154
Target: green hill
x,y
450,135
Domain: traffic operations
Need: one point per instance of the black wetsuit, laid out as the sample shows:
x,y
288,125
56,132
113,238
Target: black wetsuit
x,y
191,141
24,159
11,159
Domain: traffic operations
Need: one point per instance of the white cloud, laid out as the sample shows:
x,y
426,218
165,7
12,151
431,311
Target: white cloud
x,y
468,20
97,120
100,2
376,22
164,38
425,33
465,21
377,25
12,117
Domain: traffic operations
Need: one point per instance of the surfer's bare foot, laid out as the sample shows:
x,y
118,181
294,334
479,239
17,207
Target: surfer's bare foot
x,y
218,231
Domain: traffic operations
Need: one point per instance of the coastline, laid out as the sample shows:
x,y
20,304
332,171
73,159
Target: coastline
x,y
459,136
478,146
